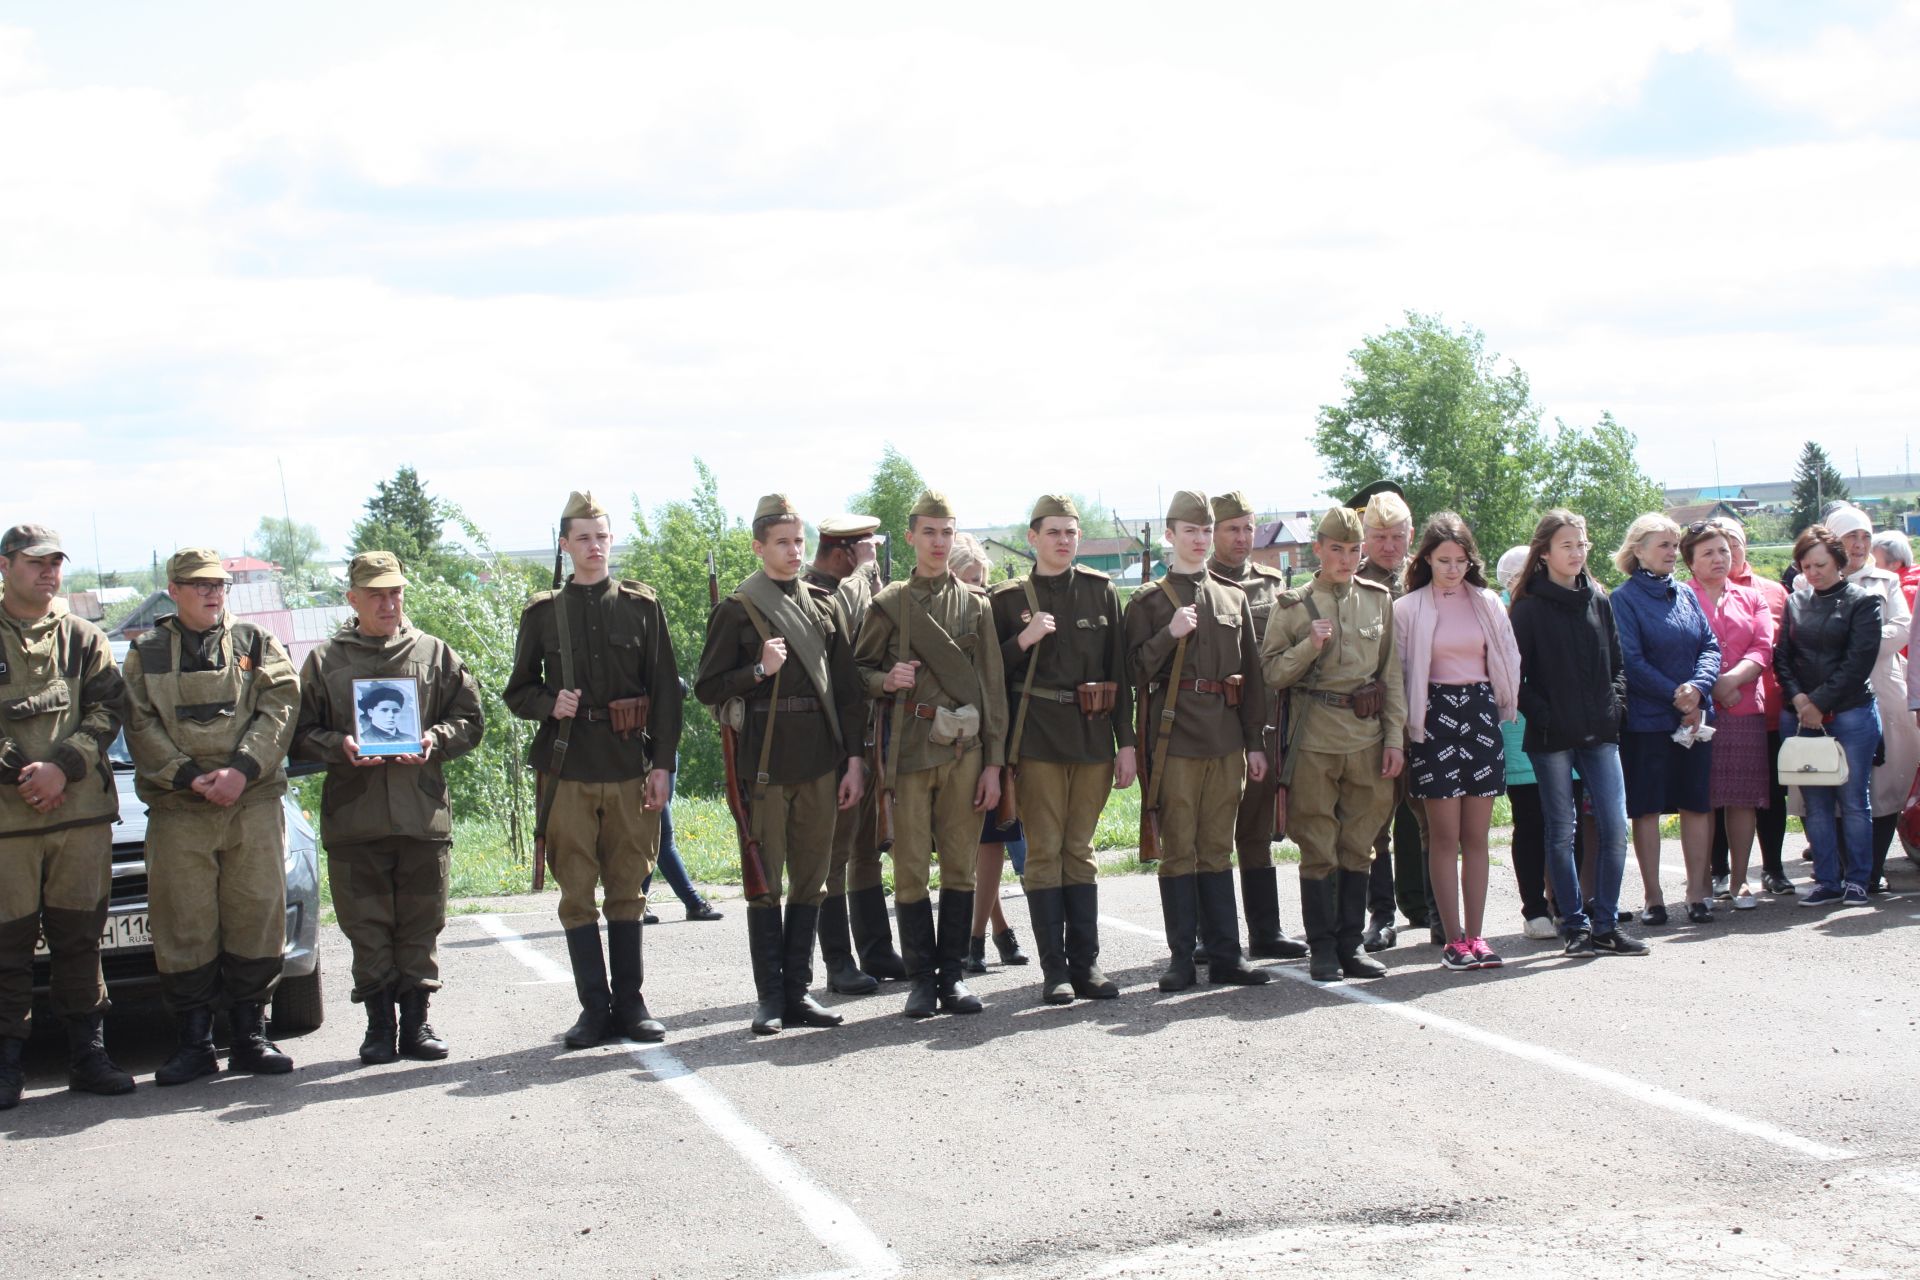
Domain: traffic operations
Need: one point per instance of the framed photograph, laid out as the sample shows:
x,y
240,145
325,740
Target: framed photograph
x,y
387,712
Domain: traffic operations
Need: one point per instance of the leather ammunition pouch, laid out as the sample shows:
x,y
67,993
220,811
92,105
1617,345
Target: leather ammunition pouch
x,y
1096,697
628,716
1369,700
1236,689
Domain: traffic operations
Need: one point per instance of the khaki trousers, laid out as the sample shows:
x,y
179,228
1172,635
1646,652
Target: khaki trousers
x,y
1060,806
217,886
1253,826
1199,799
1335,805
390,897
795,822
600,833
56,882
856,857
933,808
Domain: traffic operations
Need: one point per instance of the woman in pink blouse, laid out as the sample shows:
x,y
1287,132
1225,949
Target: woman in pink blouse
x,y
1741,781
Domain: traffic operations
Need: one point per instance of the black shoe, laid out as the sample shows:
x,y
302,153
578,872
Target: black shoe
x,y
1009,947
918,948
1618,943
194,1056
1699,913
701,909
1046,908
590,986
1179,907
590,1028
1580,945
844,976
872,936
798,1007
1380,935
89,1069
1216,906
976,961
250,1050
766,943
1081,903
13,1077
1319,912
381,1044
647,917
418,1039
1773,883
956,924
627,1014
1654,915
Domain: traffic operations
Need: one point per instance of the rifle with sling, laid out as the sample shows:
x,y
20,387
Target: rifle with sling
x,y
1009,807
545,787
1163,738
753,875
896,735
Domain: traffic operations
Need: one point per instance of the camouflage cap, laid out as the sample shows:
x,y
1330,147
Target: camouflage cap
x,y
373,570
848,526
934,505
1189,506
1341,524
197,564
31,540
1231,506
774,506
1054,504
581,506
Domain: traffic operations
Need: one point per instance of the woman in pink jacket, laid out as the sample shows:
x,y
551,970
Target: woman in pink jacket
x,y
1462,672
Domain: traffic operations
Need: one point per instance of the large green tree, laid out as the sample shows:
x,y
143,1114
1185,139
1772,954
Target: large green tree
x,y
1817,484
1593,471
287,543
402,517
890,495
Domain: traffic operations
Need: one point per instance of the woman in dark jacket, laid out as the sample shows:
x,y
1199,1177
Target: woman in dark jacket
x,y
1824,656
1572,692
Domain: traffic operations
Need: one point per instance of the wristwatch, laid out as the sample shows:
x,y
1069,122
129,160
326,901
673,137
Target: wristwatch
x,y
759,671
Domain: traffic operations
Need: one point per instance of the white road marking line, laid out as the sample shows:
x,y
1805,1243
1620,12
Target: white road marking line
x,y
831,1221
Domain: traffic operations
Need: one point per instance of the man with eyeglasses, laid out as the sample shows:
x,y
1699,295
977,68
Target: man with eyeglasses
x,y
211,703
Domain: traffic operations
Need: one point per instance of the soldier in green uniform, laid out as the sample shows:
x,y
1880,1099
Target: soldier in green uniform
x,y
61,703
1253,833
928,645
623,699
1071,707
1330,648
1190,642
778,666
384,819
210,712
855,894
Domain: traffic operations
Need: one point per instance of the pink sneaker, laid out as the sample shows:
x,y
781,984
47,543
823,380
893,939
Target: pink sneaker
x,y
1484,956
1458,955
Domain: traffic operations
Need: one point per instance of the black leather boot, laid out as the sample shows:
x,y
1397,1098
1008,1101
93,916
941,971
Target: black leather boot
x,y
89,1069
1217,907
765,943
1352,907
249,1049
13,1076
872,936
844,976
627,1007
1179,912
1009,947
1320,912
976,955
956,927
1046,908
418,1039
193,1055
381,1044
799,1008
1082,909
917,948
590,985
1260,886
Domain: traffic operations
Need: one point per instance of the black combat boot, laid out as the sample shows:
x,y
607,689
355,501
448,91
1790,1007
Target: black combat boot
x,y
89,1069
765,943
872,936
1320,913
590,985
13,1076
193,1057
627,1007
1351,905
799,1007
1081,903
1179,911
844,976
1046,908
418,1039
1215,890
381,1044
917,944
1261,888
956,926
249,1049
976,954
1009,947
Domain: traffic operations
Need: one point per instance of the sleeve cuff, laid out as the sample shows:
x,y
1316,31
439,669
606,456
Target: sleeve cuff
x,y
245,764
71,762
183,779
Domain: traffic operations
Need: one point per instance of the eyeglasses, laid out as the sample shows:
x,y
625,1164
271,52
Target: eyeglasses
x,y
204,588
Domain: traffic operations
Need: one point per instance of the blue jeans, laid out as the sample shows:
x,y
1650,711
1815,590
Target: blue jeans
x,y
1606,789
1858,733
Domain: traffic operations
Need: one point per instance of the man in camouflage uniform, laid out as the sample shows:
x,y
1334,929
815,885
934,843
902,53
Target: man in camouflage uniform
x,y
61,703
603,827
211,701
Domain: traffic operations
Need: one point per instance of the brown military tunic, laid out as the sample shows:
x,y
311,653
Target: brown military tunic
x,y
856,852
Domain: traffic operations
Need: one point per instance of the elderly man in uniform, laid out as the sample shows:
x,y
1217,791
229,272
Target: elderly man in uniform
x,y
384,819
211,702
595,655
778,666
1330,648
1190,642
855,894
1253,830
928,645
1071,707
61,703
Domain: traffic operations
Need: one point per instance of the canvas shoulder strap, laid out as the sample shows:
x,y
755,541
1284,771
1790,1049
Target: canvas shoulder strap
x,y
1163,732
1026,685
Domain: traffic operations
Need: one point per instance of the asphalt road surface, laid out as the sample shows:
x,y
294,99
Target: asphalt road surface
x,y
1741,1101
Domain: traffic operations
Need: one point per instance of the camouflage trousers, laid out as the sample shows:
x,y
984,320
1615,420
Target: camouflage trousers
x,y
54,881
390,897
217,885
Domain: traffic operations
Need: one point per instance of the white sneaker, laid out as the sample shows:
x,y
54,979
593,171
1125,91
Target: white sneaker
x,y
1541,929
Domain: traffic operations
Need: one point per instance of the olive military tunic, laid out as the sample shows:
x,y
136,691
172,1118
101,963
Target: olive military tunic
x,y
1253,832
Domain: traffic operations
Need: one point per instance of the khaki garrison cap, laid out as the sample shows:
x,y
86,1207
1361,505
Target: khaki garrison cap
x,y
581,506
848,526
934,505
1341,524
1231,506
1190,507
31,540
1054,504
772,506
373,570
196,564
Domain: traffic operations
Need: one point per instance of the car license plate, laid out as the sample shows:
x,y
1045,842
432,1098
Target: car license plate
x,y
119,933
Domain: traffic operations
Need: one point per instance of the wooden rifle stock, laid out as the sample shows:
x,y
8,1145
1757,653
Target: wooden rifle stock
x,y
753,875
1143,720
882,789
543,791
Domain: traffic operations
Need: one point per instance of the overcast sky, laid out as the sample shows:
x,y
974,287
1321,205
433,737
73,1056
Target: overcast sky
x,y
1112,248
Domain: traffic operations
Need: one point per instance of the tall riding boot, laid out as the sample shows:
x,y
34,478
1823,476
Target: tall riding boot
x,y
1082,903
767,944
627,1007
193,1057
872,936
1218,909
844,976
13,1076
956,927
1352,918
1320,912
1179,911
590,985
1261,888
248,1047
418,1039
799,1008
89,1069
1046,908
381,1044
918,958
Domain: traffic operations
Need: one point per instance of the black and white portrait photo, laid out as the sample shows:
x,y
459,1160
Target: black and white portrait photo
x,y
389,716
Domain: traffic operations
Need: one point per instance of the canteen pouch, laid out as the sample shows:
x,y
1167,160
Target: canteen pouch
x,y
954,725
1236,689
629,715
1369,700
1096,697
733,714
1812,762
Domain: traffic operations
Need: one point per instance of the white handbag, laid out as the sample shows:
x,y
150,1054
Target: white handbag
x,y
1807,761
